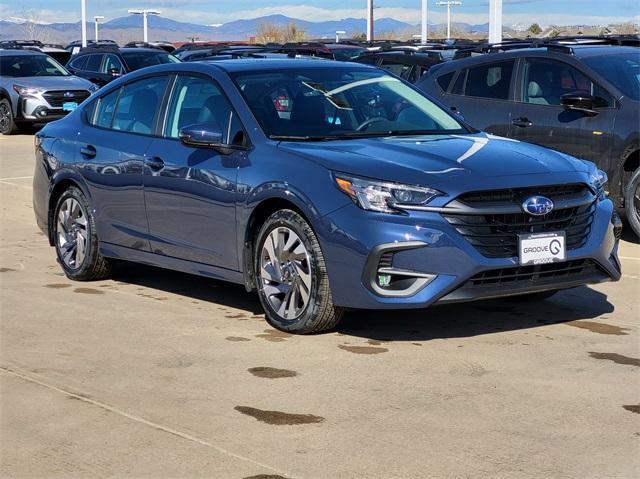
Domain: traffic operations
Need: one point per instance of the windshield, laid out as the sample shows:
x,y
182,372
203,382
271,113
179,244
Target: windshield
x,y
621,69
334,103
137,60
30,66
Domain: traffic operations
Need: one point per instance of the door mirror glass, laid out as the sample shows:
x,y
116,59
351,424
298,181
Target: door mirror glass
x,y
578,100
114,72
207,135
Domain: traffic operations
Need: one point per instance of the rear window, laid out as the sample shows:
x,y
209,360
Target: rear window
x,y
491,80
137,60
444,81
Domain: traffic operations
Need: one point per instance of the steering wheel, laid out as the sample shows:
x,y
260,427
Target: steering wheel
x,y
367,123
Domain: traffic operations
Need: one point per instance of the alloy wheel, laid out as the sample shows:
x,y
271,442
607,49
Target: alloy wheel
x,y
72,235
285,273
5,117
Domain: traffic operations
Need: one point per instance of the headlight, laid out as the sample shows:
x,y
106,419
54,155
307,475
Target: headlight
x,y
599,181
26,91
383,196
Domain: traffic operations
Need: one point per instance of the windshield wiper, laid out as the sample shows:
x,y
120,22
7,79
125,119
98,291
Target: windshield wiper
x,y
304,137
374,134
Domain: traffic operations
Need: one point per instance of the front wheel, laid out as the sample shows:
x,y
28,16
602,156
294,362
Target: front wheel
x,y
291,275
7,121
76,240
632,202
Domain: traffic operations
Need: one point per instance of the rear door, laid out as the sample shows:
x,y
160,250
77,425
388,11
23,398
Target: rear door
x,y
538,116
110,156
190,193
483,95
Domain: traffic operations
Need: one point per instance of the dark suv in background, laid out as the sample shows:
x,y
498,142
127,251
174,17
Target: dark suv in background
x,y
583,100
100,65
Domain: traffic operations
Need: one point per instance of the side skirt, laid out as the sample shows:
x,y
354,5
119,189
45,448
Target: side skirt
x,y
109,250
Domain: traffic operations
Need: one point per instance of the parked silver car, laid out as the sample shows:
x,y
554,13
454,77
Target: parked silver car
x,y
34,88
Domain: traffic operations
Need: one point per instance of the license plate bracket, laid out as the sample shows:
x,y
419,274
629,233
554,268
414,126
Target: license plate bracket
x,y
542,248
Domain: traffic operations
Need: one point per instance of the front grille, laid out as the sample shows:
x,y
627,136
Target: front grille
x,y
553,271
56,98
496,235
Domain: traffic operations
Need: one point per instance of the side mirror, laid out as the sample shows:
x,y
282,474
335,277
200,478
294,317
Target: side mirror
x,y
579,101
203,135
114,72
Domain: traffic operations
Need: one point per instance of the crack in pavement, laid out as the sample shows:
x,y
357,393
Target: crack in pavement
x,y
135,418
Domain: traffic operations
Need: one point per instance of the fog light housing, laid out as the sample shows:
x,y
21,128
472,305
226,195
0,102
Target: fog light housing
x,y
384,280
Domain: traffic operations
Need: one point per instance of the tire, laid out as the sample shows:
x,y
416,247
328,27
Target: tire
x,y
74,225
531,297
632,202
8,124
289,267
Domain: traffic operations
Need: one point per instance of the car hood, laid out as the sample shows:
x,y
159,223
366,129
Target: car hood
x,y
463,159
55,83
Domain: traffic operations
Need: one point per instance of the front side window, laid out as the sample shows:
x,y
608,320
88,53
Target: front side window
x,y
94,62
30,66
111,63
339,103
490,80
444,80
138,105
545,81
79,63
196,101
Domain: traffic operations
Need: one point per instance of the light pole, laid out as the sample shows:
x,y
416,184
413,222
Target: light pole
x,y
144,14
83,26
338,33
495,21
96,19
369,20
423,37
449,4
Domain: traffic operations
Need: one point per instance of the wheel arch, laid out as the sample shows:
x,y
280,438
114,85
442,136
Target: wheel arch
x,y
259,210
59,185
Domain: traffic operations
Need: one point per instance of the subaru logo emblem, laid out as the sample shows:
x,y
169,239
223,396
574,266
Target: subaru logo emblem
x,y
68,94
537,206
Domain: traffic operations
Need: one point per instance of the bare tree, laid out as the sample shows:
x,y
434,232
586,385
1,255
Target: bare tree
x,y
267,32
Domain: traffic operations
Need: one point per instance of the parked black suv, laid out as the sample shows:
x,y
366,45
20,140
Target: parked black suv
x,y
583,100
101,65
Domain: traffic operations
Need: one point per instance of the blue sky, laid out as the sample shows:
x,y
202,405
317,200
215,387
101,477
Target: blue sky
x,y
545,12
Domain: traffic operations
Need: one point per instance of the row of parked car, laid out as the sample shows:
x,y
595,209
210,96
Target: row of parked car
x,y
580,96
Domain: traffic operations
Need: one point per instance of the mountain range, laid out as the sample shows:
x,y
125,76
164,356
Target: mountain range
x,y
128,28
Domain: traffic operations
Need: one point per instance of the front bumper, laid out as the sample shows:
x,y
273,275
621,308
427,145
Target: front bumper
x,y
37,109
452,270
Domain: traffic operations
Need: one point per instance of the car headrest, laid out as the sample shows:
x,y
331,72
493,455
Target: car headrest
x,y
534,89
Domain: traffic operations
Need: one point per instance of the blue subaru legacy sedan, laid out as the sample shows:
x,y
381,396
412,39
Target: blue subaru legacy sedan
x,y
320,185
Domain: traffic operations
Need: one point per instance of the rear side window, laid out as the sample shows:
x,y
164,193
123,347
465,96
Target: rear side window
x,y
103,115
94,62
138,105
490,80
444,81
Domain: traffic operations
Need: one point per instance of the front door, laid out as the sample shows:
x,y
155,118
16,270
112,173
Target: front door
x,y
190,193
541,119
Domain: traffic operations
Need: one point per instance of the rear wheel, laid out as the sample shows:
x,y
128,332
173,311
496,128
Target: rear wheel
x,y
7,121
76,241
632,202
292,280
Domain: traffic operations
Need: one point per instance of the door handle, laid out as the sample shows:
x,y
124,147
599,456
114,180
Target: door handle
x,y
88,151
522,122
154,163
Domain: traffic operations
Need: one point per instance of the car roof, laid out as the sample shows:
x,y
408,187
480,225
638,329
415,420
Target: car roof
x,y
19,52
265,64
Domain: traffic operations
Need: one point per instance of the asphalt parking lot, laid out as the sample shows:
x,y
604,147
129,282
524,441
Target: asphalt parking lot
x,y
160,374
